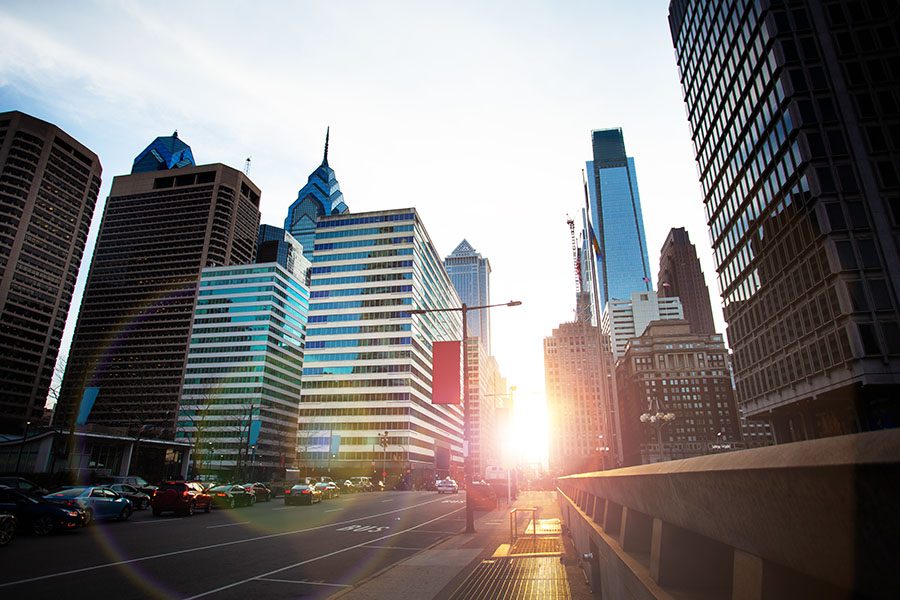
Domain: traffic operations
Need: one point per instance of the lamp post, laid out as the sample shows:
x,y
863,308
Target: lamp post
x,y
22,445
720,443
659,420
384,443
252,461
464,309
210,456
603,449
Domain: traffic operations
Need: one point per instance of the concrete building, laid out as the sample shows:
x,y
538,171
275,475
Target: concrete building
x,y
487,389
576,400
50,183
681,276
160,228
241,396
793,113
671,370
368,362
624,320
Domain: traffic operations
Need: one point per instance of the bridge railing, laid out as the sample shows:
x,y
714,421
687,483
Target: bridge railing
x,y
817,519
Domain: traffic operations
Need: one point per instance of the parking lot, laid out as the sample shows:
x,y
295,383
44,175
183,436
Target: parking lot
x,y
265,550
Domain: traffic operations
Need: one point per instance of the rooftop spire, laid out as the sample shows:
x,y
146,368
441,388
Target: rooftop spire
x,y
325,158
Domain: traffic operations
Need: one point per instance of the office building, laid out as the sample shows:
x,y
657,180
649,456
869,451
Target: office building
x,y
367,364
669,369
487,390
794,117
623,266
471,276
320,197
276,245
240,399
681,276
48,188
576,400
160,228
624,320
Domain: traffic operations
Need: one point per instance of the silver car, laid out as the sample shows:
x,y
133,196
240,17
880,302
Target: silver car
x,y
97,502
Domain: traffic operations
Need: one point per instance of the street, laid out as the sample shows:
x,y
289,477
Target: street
x,y
266,551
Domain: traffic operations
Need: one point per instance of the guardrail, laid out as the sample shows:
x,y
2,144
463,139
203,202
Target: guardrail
x,y
817,519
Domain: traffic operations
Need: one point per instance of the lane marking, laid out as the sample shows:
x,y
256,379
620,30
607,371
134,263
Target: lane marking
x,y
334,509
304,582
388,500
155,521
314,559
207,547
396,548
228,525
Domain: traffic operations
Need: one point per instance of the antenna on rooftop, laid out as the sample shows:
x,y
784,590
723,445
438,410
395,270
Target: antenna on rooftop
x,y
247,165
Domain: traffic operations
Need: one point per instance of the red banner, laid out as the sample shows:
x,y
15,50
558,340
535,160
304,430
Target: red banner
x,y
446,379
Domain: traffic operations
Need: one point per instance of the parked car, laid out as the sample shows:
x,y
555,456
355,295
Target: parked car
x,y
139,500
328,489
262,492
38,515
481,495
446,486
363,484
230,496
24,485
302,494
7,528
180,497
133,480
97,502
348,487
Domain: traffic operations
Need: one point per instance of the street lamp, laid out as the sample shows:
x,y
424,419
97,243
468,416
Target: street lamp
x,y
464,309
720,443
22,445
659,420
384,443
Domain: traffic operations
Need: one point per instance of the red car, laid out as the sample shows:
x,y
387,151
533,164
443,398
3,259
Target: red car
x,y
180,497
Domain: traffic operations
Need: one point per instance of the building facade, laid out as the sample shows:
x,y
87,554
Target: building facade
x,y
160,228
320,197
48,188
368,362
624,320
576,400
487,389
671,370
681,276
274,244
623,266
471,276
794,114
240,399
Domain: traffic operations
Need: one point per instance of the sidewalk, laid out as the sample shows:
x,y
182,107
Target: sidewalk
x,y
484,564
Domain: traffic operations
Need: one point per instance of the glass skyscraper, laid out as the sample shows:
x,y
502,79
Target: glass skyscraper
x,y
623,266
320,197
274,244
471,276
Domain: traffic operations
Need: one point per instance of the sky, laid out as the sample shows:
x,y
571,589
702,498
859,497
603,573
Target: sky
x,y
478,114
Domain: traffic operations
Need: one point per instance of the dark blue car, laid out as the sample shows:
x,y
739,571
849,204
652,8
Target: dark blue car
x,y
97,502
38,515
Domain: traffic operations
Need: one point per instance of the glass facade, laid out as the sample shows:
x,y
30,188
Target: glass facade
x,y
241,392
274,244
165,152
623,266
794,113
470,274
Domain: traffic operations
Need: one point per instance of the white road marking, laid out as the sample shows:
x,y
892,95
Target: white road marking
x,y
388,500
314,559
396,548
207,547
228,525
304,582
155,521
334,509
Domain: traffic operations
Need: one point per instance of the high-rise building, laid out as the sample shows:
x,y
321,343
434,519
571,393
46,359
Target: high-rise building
x,y
160,228
48,188
367,363
576,400
320,197
240,399
274,244
794,114
471,276
487,388
669,369
624,320
681,276
623,266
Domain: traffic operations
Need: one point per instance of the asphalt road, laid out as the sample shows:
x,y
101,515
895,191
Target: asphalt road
x,y
263,551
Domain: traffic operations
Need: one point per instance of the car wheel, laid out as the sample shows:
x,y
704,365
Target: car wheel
x,y
190,509
252,500
88,517
208,507
126,513
231,503
7,532
42,525
144,504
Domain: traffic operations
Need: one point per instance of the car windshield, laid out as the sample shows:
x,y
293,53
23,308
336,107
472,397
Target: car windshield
x,y
221,488
68,493
139,481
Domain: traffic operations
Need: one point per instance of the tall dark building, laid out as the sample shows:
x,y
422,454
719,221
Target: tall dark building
x,y
48,188
795,113
680,275
160,228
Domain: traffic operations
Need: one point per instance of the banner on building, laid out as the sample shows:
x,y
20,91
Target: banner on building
x,y
446,381
87,404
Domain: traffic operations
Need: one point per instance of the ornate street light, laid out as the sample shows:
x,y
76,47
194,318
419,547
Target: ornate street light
x,y
384,442
659,420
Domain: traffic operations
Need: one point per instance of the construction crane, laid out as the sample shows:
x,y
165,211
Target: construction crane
x,y
575,260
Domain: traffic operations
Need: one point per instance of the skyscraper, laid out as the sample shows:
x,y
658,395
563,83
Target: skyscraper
x,y
49,188
160,228
368,363
623,266
680,276
794,113
624,320
274,244
471,276
320,197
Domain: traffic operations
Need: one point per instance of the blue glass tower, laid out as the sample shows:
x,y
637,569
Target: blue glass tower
x,y
162,154
320,197
274,244
623,266
470,274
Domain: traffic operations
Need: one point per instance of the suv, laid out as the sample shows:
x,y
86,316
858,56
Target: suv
x,y
133,480
363,484
446,486
180,497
